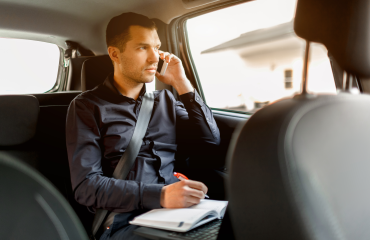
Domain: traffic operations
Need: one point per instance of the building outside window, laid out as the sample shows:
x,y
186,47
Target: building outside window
x,y
288,79
250,58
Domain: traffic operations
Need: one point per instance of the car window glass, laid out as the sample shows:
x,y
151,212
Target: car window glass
x,y
248,55
27,66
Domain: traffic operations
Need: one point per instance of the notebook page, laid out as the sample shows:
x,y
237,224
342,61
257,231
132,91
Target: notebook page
x,y
218,206
171,219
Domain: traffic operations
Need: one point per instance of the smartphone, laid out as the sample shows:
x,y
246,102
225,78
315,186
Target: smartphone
x,y
162,66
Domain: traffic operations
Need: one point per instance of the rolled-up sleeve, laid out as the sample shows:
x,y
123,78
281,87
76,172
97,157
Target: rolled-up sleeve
x,y
90,187
196,125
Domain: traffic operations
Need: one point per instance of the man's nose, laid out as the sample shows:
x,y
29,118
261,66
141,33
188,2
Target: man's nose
x,y
153,55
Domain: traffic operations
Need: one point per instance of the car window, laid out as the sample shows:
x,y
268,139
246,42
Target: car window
x,y
27,66
248,55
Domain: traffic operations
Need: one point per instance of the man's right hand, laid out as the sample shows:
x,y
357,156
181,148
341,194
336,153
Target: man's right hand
x,y
182,194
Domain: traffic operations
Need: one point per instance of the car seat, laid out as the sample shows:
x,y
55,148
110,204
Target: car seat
x,y
30,206
94,71
299,168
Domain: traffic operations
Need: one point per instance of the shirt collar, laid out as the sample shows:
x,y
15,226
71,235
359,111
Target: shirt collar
x,y
109,84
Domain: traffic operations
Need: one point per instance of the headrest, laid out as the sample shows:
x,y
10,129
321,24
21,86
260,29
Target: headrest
x,y
18,118
94,71
343,26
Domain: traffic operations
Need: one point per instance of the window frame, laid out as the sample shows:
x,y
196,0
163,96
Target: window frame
x,y
60,82
178,38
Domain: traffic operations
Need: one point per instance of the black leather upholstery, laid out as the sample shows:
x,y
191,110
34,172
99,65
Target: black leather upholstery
x,y
30,206
18,119
94,71
299,169
343,26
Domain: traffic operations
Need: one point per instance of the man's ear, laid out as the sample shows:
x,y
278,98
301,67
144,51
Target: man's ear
x,y
113,54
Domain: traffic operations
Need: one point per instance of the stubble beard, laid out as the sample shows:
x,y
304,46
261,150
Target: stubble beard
x,y
137,75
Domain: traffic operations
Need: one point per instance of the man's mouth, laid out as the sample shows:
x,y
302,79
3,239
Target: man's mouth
x,y
151,69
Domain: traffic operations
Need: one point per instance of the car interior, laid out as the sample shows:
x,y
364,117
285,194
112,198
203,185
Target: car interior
x,y
292,166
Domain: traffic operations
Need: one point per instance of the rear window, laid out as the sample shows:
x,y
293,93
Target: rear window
x,y
247,56
27,66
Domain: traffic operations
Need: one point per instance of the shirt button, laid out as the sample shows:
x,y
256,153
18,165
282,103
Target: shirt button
x,y
191,100
197,99
207,119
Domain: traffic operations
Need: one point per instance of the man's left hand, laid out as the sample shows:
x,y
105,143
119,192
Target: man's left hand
x,y
175,74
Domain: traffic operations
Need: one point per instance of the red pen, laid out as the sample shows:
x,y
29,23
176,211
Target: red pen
x,y
183,177
180,175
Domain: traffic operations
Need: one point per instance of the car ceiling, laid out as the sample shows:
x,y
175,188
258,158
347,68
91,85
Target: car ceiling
x,y
82,21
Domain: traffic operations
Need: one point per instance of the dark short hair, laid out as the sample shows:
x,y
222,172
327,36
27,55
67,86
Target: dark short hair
x,y
117,33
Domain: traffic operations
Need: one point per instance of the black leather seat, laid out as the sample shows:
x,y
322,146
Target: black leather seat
x,y
94,71
299,168
18,121
31,208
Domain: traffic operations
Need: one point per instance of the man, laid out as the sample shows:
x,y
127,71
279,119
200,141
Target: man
x,y
100,124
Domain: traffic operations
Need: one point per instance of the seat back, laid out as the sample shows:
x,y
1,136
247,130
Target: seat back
x,y
299,170
18,121
299,167
94,71
31,207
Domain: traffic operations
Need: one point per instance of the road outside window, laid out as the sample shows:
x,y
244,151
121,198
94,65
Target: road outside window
x,y
27,66
248,56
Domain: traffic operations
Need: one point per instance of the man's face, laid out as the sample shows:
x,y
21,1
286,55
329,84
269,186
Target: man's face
x,y
139,60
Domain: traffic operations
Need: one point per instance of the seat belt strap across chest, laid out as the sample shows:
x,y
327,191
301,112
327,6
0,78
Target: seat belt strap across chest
x,y
128,158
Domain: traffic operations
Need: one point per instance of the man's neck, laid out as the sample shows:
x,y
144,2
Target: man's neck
x,y
127,87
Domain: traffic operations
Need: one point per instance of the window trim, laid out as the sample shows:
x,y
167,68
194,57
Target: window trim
x,y
236,114
180,45
231,111
61,76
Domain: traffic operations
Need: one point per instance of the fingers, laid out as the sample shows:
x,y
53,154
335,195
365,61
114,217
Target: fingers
x,y
197,185
194,192
166,56
190,201
181,194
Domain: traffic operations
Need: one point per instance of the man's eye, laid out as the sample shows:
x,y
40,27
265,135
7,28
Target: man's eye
x,y
144,48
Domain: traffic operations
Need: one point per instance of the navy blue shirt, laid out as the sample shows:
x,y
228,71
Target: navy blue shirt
x,y
100,124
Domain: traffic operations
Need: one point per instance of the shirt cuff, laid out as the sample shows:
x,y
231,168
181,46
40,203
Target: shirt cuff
x,y
190,98
152,196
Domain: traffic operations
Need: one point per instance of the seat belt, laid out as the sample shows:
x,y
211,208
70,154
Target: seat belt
x,y
128,158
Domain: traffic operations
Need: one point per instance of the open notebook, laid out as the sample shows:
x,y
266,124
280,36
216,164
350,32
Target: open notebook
x,y
182,219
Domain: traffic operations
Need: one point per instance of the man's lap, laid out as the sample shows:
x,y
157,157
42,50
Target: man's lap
x,y
124,233
121,229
